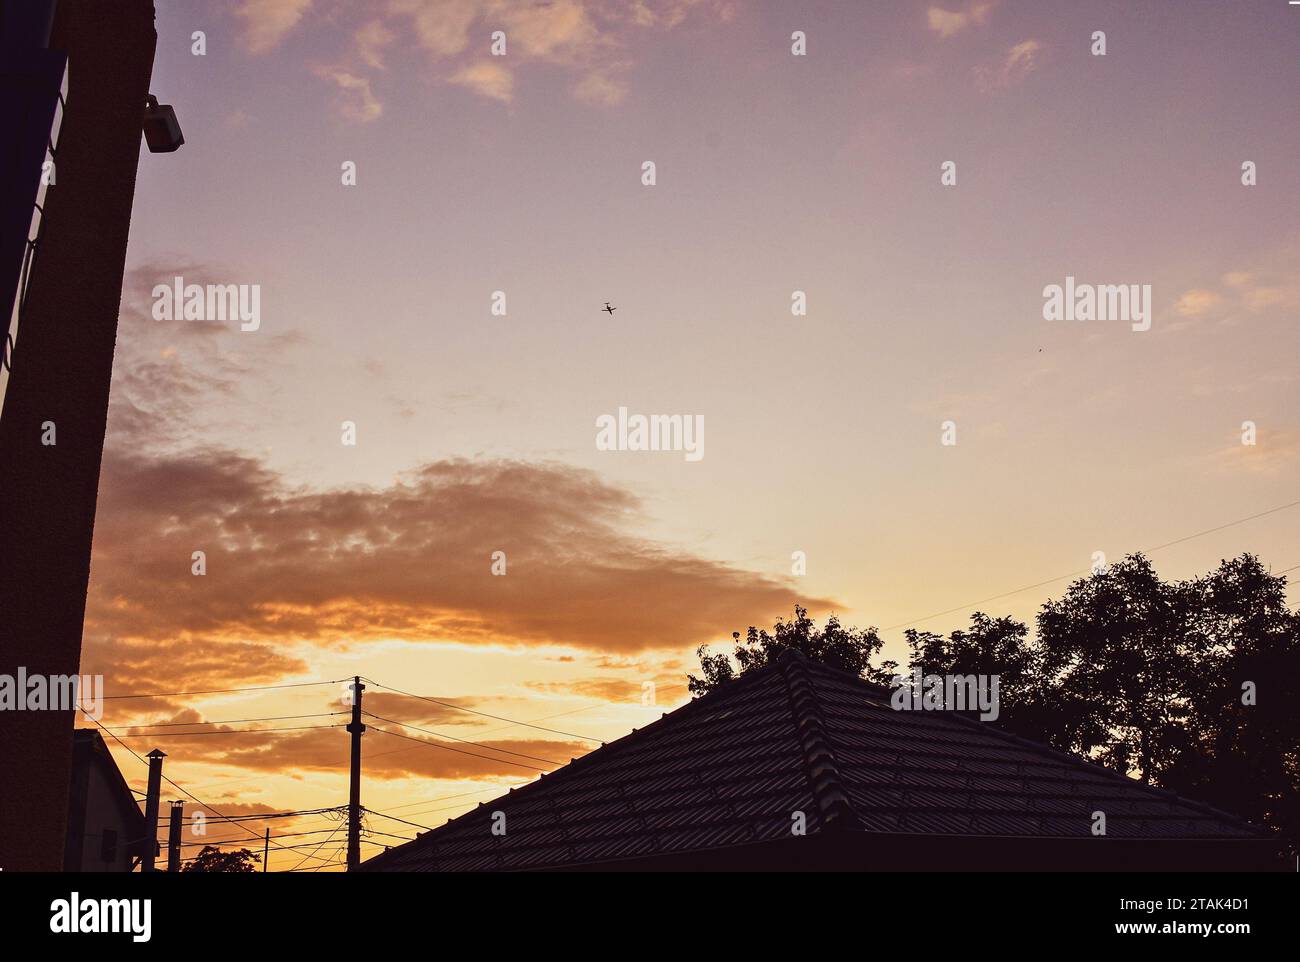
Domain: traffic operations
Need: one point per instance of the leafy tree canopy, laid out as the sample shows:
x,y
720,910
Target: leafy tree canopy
x,y
1191,685
213,859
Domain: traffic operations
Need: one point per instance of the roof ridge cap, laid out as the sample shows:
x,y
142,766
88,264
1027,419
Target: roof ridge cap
x,y
819,763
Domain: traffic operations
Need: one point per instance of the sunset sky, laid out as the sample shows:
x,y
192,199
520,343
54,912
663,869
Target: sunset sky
x,y
476,433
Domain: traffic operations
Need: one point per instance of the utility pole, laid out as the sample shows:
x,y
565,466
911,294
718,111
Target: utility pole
x,y
154,789
266,849
354,795
174,837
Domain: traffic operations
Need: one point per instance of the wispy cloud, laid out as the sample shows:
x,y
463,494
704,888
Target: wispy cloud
x,y
600,88
488,78
1245,292
593,40
372,39
949,23
355,99
267,22
1014,66
1275,449
1197,302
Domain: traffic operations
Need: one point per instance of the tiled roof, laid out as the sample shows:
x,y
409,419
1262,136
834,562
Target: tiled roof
x,y
732,767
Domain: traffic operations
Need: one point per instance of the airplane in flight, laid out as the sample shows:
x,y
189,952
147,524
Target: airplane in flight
x,y
610,309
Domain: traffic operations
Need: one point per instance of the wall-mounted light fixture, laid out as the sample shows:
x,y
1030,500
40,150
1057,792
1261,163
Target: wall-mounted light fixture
x,y
162,131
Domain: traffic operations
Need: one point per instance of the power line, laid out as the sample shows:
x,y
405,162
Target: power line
x,y
1170,544
443,798
1084,571
183,791
325,859
495,788
442,808
425,828
317,868
314,868
227,721
224,691
318,847
233,731
236,838
460,751
264,817
300,845
574,711
513,721
237,821
465,741
288,848
404,838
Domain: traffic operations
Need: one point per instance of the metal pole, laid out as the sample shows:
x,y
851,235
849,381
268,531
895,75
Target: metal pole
x,y
174,837
150,851
354,795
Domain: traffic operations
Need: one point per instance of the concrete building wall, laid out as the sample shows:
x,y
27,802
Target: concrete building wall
x,y
62,363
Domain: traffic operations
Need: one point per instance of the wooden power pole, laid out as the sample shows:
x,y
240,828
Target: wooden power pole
x,y
354,795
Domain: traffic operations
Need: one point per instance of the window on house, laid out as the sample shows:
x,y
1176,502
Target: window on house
x,y
108,845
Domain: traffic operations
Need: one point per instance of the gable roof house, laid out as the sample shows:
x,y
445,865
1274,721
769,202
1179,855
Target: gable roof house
x,y
719,784
106,829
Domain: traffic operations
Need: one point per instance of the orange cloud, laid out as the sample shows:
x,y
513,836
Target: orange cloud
x,y
325,749
409,561
290,568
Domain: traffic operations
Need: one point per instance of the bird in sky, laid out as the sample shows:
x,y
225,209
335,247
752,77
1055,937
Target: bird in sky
x,y
610,309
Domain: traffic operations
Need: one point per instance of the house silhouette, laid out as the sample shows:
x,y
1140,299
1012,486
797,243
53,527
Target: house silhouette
x,y
106,829
723,782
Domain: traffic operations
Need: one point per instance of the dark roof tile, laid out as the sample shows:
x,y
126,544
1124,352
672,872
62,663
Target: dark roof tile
x,y
732,767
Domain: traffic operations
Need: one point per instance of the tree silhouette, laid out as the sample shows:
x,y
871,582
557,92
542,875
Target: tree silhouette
x,y
1243,736
213,859
850,649
994,646
1190,685
1118,652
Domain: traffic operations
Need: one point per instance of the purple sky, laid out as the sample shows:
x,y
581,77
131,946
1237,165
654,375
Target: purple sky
x,y
775,173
